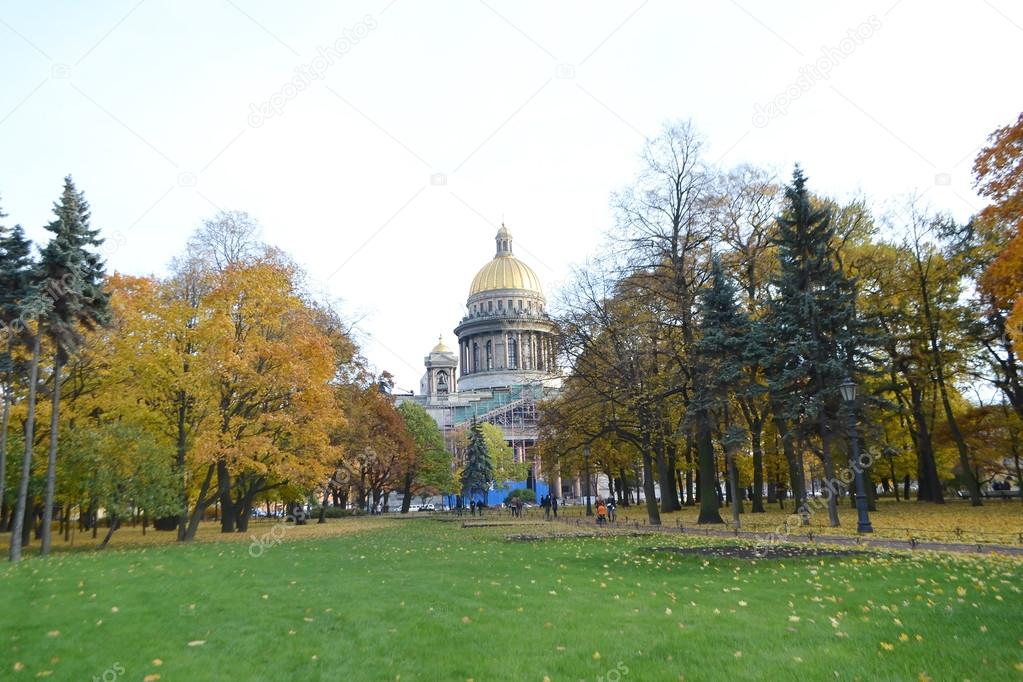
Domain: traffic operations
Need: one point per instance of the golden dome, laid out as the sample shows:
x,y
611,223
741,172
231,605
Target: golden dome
x,y
440,347
505,271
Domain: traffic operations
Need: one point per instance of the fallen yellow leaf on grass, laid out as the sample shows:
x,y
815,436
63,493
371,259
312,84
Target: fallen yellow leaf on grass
x,y
53,633
466,619
887,646
197,642
151,677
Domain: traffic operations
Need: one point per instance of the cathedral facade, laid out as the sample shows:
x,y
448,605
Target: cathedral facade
x,y
503,363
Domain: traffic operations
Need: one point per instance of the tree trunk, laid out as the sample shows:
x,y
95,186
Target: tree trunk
x,y
690,500
201,502
227,506
964,454
26,461
6,421
115,523
829,473
625,486
30,522
756,440
323,503
733,481
406,492
705,454
665,475
51,462
928,484
797,485
939,371
179,461
653,514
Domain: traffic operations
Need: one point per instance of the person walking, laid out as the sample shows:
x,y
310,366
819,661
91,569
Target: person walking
x,y
554,507
612,511
601,512
472,508
546,507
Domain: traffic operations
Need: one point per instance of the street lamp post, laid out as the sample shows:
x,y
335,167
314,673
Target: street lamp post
x,y
586,459
848,389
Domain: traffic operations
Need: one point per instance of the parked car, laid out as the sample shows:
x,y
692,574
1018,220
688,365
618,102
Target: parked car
x,y
427,507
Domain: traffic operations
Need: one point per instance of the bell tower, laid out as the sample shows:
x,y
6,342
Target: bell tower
x,y
441,372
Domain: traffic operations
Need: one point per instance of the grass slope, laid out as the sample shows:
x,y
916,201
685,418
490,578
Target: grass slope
x,y
425,600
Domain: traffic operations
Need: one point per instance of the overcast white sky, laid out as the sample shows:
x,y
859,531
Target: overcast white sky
x,y
531,111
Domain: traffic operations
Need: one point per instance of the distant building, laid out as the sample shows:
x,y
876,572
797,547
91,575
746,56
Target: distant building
x,y
504,364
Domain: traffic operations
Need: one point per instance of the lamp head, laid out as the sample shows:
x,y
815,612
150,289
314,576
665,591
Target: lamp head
x,y
848,389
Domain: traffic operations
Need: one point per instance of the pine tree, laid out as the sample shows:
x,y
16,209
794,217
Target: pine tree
x,y
73,274
15,264
478,473
721,370
812,327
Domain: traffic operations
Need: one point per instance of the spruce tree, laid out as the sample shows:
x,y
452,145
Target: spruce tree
x,y
478,473
73,273
720,370
812,327
15,264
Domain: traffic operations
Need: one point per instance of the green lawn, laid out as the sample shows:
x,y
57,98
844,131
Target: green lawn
x,y
429,600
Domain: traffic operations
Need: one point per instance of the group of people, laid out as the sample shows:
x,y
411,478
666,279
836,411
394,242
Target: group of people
x,y
606,512
474,508
516,506
550,507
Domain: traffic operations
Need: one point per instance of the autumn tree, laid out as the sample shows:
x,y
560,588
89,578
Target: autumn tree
x,y
666,228
998,170
429,460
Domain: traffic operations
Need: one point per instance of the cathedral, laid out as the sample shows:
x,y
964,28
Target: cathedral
x,y
503,364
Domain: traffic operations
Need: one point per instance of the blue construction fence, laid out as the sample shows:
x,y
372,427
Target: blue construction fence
x,y
496,496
